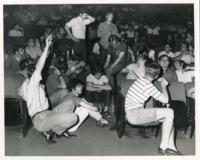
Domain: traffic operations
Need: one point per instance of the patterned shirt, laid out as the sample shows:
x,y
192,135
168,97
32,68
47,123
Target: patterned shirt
x,y
139,93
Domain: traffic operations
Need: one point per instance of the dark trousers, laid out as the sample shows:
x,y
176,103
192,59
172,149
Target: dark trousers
x,y
97,60
80,49
99,96
111,73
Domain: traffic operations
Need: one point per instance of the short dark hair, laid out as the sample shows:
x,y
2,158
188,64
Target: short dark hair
x,y
16,47
73,83
162,56
181,62
96,69
28,64
152,70
113,38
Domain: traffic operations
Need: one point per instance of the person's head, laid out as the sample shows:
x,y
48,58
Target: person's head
x,y
144,60
97,72
31,42
27,66
16,27
113,40
167,48
152,71
184,47
83,15
76,86
164,61
18,50
109,16
179,64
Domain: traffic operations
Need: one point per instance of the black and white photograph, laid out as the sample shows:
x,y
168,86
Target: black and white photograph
x,y
100,79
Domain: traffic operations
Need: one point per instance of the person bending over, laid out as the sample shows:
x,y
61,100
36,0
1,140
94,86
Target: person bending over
x,y
79,105
44,120
138,94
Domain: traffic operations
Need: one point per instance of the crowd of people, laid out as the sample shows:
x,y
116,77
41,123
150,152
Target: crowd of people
x,y
72,66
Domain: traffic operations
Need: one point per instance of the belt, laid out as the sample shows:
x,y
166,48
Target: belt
x,y
37,114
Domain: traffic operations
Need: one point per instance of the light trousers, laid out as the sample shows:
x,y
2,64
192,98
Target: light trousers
x,y
83,113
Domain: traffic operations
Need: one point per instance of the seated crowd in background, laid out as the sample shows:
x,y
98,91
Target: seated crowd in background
x,y
116,50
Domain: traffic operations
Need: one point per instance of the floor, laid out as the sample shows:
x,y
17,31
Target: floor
x,y
91,141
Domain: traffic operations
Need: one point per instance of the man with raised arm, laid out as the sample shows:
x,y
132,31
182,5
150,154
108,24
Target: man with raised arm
x,y
44,120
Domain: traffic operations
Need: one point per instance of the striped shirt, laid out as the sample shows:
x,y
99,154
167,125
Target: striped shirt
x,y
139,92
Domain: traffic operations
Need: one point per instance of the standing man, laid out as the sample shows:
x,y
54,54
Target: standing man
x,y
77,33
106,29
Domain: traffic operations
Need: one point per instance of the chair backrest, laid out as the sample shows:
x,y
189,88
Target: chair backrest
x,y
177,91
12,111
11,84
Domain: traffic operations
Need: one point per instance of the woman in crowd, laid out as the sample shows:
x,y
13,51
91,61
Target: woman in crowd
x,y
168,71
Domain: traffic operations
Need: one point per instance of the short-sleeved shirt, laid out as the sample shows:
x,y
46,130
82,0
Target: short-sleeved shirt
x,y
114,52
91,78
78,26
104,31
185,77
139,92
139,71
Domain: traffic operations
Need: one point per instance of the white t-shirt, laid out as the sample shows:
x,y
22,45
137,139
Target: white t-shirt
x,y
34,95
78,27
170,54
92,79
134,69
185,77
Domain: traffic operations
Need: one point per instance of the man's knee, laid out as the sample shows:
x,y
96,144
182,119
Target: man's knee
x,y
170,113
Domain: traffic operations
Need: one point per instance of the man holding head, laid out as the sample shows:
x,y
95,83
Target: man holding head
x,y
78,33
136,97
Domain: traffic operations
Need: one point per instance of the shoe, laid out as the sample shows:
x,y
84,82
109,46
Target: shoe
x,y
49,137
106,114
66,135
162,151
102,123
172,152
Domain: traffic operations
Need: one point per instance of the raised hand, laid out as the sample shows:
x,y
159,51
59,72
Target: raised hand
x,y
49,40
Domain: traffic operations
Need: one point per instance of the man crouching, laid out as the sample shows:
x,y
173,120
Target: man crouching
x,y
44,120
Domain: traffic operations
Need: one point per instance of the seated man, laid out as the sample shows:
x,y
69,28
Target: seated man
x,y
138,93
12,61
115,60
98,89
44,120
79,105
